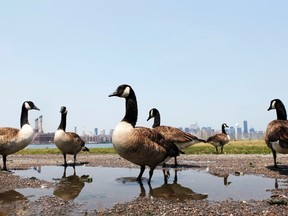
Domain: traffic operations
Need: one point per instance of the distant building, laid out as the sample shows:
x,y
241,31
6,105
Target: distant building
x,y
245,129
96,131
111,132
239,133
232,133
206,132
102,132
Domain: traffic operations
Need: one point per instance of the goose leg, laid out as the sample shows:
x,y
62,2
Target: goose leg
x,y
65,162
222,149
74,160
175,161
216,149
142,169
4,162
274,157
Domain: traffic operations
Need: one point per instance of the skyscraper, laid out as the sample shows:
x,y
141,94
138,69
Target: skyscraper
x,y
245,129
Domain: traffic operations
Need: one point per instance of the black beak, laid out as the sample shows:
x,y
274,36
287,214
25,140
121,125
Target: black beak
x,y
36,108
113,94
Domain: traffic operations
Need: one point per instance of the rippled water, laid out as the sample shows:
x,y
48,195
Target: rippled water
x,y
100,187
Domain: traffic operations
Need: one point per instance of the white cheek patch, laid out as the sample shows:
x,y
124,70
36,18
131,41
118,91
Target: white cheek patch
x,y
27,106
273,104
126,92
151,113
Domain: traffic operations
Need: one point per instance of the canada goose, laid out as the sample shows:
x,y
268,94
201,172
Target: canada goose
x,y
276,136
68,142
219,139
139,145
12,139
182,139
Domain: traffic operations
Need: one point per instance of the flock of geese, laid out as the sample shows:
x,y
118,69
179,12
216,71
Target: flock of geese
x,y
140,145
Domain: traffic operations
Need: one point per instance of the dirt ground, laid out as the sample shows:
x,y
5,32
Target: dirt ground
x,y
13,203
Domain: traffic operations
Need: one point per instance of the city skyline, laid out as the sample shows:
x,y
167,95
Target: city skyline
x,y
193,128
235,133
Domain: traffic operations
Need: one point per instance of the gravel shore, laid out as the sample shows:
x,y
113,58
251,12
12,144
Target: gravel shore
x,y
16,204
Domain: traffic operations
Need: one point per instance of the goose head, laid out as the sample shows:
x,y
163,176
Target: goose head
x,y
275,104
63,110
29,105
122,91
280,109
152,113
225,125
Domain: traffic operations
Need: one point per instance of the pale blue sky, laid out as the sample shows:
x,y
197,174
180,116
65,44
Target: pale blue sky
x,y
196,61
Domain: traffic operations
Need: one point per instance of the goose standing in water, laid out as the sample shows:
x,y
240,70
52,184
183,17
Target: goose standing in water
x,y
12,139
182,139
220,139
139,145
276,136
68,142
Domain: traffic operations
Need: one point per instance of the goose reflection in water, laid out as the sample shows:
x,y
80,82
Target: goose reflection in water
x,y
11,196
225,178
172,191
69,187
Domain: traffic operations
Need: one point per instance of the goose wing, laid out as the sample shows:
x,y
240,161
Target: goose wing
x,y
8,134
219,138
156,140
277,130
175,134
76,137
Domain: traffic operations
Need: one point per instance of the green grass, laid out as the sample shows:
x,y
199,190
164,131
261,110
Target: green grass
x,y
234,147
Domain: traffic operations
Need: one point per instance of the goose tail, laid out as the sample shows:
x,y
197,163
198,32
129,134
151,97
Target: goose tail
x,y
171,148
84,148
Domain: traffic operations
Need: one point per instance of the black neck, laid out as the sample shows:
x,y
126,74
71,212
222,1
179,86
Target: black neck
x,y
157,120
62,125
223,129
281,112
131,109
24,116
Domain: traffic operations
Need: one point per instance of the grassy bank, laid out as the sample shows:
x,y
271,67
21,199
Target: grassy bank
x,y
234,147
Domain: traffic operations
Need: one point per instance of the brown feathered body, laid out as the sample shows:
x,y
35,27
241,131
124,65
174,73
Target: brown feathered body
x,y
68,142
13,140
219,139
139,145
276,136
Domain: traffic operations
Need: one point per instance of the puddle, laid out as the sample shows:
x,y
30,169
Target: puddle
x,y
101,187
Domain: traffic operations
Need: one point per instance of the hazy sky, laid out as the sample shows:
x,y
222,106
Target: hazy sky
x,y
196,61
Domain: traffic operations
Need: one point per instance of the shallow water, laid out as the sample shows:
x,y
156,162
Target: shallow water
x,y
102,187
